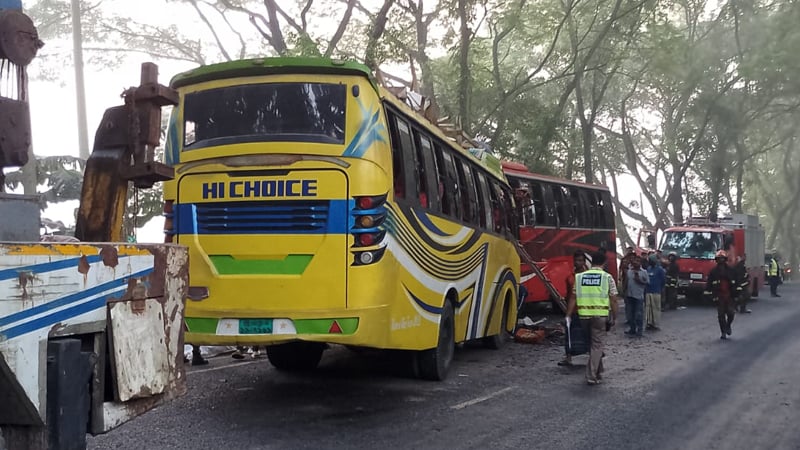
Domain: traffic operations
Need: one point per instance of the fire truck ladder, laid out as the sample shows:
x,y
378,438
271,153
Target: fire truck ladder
x,y
554,295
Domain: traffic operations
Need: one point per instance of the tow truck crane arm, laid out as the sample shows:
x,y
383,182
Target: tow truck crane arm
x,y
124,151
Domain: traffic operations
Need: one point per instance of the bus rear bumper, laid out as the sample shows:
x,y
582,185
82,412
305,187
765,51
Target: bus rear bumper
x,y
368,327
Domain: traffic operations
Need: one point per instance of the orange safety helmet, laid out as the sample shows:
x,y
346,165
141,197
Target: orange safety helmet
x,y
721,254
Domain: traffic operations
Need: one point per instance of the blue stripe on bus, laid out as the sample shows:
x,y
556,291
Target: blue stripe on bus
x,y
426,221
9,274
71,298
369,132
430,308
60,316
338,221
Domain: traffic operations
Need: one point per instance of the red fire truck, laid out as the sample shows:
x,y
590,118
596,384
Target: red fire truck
x,y
696,242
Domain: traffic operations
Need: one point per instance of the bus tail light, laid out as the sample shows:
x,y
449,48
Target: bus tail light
x,y
368,257
368,214
169,221
369,239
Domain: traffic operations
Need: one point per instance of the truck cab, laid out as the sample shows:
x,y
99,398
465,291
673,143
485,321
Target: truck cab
x,y
696,242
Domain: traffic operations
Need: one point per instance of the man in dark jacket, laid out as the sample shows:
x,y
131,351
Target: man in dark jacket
x,y
742,283
671,288
722,287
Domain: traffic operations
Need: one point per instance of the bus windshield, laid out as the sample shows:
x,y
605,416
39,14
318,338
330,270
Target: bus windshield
x,y
692,244
295,112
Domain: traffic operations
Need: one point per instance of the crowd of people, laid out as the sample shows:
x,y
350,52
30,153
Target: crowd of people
x,y
644,280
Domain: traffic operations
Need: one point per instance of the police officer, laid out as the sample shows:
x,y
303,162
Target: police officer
x,y
722,287
773,274
594,297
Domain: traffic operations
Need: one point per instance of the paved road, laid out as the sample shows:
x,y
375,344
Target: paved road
x,y
678,388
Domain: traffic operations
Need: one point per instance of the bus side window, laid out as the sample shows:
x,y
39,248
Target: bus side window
x,y
398,158
451,185
413,168
578,210
425,154
525,203
553,195
498,210
512,224
587,205
441,181
607,210
539,210
468,194
567,212
484,204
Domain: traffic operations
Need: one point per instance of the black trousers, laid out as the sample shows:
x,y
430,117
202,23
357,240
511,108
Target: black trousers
x,y
774,281
726,311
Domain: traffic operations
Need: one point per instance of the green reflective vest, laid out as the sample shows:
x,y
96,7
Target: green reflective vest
x,y
773,268
591,293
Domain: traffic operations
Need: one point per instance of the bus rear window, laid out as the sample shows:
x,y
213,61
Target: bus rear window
x,y
294,112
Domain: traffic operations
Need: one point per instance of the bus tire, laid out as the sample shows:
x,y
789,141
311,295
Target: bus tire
x,y
499,340
295,356
434,363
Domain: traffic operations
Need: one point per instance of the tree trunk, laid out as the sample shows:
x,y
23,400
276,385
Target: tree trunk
x,y
378,26
464,81
80,86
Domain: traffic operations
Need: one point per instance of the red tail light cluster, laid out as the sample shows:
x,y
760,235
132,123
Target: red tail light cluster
x,y
368,215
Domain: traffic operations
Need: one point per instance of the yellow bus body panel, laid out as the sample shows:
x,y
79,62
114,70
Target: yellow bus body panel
x,y
308,284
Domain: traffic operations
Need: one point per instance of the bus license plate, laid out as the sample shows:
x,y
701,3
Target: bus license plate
x,y
255,326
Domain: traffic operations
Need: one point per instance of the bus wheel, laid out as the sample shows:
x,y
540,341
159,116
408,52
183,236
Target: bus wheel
x,y
434,363
499,340
295,355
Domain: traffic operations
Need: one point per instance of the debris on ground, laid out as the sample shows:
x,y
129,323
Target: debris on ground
x,y
531,331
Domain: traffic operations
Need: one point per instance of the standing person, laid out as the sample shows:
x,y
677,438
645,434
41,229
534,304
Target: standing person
x,y
671,285
622,273
637,279
742,283
578,266
595,300
721,286
652,293
773,274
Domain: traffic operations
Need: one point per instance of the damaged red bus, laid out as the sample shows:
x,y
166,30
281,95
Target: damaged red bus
x,y
557,218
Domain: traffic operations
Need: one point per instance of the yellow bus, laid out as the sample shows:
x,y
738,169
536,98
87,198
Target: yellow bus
x,y
319,209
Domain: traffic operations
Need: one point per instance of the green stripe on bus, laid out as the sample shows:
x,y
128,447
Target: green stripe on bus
x,y
291,265
323,326
201,325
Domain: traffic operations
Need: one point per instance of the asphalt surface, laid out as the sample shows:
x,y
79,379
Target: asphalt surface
x,y
681,387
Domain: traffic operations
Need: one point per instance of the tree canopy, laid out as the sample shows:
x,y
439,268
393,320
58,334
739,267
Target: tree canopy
x,y
696,102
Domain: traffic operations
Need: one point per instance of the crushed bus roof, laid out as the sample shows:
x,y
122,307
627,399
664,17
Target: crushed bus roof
x,y
270,66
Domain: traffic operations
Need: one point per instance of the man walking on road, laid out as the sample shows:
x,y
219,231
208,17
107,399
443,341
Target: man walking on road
x,y
637,279
652,293
721,286
742,283
579,266
594,297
